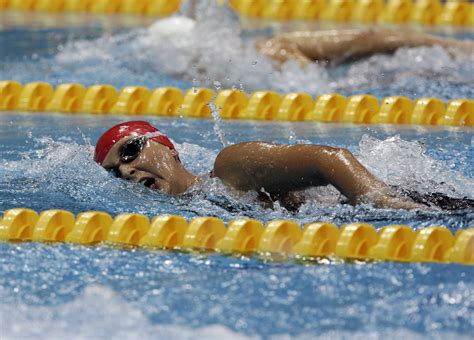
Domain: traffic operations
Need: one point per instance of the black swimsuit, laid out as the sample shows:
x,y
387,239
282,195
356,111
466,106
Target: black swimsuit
x,y
438,199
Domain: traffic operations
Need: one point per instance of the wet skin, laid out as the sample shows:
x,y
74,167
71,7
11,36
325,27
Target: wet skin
x,y
339,45
282,170
274,169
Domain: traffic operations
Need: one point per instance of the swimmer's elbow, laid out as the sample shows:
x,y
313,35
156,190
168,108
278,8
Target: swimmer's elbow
x,y
343,153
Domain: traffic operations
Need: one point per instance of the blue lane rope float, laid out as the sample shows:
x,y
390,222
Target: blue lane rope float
x,y
277,238
233,104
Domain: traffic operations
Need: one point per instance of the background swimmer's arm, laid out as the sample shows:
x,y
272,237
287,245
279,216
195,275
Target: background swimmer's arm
x,y
342,44
279,169
282,50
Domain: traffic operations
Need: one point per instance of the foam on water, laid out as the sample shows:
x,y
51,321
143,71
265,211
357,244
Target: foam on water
x,y
51,291
98,313
204,51
405,163
413,72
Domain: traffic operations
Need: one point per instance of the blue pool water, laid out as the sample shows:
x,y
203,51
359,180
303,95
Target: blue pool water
x,y
57,291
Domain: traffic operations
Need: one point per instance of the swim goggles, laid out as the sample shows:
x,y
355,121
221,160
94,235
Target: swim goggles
x,y
132,148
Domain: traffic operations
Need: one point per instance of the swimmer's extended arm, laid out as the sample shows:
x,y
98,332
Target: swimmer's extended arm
x,y
284,168
342,44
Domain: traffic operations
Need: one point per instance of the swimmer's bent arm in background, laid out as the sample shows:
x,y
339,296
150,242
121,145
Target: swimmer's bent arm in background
x,y
280,170
338,45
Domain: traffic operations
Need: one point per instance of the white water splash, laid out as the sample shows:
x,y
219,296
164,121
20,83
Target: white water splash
x,y
208,50
415,72
405,163
100,313
97,313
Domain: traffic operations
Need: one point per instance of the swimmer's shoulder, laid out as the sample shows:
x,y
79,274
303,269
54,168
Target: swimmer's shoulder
x,y
237,149
264,152
237,163
247,145
243,151
230,153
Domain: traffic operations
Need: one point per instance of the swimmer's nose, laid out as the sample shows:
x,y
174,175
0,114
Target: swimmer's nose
x,y
128,173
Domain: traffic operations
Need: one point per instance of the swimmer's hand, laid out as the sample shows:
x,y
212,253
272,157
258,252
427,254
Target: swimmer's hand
x,y
384,198
279,169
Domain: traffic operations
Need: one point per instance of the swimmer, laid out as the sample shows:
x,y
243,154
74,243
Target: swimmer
x,y
139,152
340,45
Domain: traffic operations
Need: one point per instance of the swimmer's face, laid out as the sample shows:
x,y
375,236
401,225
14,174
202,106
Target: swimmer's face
x,y
145,161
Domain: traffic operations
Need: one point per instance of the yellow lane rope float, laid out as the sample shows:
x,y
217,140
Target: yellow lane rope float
x,y
458,13
420,12
135,7
233,104
278,238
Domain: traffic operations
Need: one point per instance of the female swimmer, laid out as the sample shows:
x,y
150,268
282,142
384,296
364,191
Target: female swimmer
x,y
139,152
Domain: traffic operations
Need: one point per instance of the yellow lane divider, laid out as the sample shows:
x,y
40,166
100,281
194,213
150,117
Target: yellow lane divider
x,y
243,236
137,7
457,13
421,12
233,104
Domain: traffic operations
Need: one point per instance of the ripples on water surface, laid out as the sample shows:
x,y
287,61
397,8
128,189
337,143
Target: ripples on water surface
x,y
45,161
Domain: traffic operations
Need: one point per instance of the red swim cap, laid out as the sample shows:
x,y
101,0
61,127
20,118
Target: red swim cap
x,y
133,128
